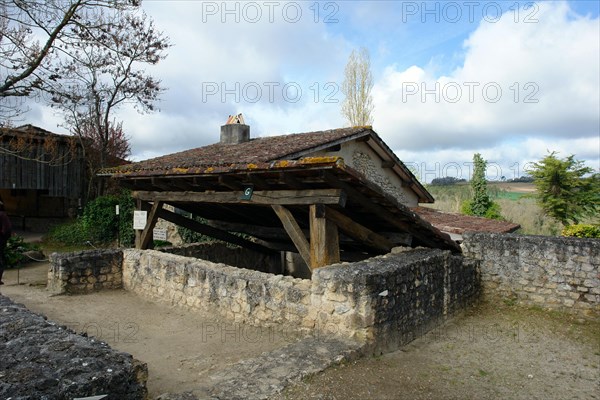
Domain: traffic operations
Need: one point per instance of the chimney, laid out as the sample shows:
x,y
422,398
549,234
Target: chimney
x,y
235,131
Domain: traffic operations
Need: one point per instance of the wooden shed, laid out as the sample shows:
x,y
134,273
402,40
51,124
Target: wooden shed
x,y
42,174
328,195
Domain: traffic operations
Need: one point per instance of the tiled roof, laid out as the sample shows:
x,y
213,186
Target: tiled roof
x,y
33,132
258,150
458,223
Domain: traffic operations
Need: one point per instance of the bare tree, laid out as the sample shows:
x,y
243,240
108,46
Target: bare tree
x,y
106,149
106,72
358,104
34,34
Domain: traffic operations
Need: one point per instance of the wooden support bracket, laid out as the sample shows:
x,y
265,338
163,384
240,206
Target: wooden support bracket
x,y
324,239
147,233
294,231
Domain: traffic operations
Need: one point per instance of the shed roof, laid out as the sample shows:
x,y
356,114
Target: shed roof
x,y
458,223
274,165
221,157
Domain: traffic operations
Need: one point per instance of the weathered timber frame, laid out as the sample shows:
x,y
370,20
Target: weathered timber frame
x,y
323,248
319,208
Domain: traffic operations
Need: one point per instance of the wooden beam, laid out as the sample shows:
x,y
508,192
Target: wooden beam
x,y
147,233
268,197
367,203
140,206
293,230
387,163
324,240
357,231
257,180
291,180
230,182
419,230
265,232
211,231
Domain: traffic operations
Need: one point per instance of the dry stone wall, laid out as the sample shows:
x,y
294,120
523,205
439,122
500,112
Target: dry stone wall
x,y
390,300
234,256
384,301
85,271
240,294
550,272
41,360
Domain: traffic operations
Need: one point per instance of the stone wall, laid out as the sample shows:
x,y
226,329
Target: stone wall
x,y
384,301
243,295
235,256
85,271
392,299
40,360
550,272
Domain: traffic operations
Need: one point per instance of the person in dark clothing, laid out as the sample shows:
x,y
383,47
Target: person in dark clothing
x,y
5,232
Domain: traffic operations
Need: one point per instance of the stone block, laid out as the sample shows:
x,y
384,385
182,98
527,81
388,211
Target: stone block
x,y
568,302
592,298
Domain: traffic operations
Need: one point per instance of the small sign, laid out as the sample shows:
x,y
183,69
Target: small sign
x,y
139,219
159,234
117,209
247,194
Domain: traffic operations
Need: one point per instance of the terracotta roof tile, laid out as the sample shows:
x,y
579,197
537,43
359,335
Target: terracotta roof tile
x,y
458,223
258,150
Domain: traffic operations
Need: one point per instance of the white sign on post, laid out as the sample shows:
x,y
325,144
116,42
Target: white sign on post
x,y
139,219
159,234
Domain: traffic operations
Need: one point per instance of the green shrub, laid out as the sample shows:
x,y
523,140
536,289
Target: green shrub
x,y
582,231
15,247
99,223
126,208
161,243
99,219
189,236
71,233
492,212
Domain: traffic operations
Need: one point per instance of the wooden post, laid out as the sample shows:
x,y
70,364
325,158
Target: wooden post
x,y
146,236
324,240
294,231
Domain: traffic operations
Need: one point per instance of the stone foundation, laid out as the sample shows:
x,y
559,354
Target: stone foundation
x,y
235,256
40,360
85,271
551,272
384,301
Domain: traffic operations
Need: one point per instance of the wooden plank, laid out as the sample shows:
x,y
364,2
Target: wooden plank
x,y
146,236
230,182
417,228
257,181
357,231
211,231
291,181
268,197
140,206
324,240
367,203
293,230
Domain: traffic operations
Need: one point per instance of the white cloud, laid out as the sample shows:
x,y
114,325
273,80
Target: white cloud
x,y
554,61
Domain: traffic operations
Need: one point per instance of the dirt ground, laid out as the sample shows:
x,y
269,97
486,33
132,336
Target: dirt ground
x,y
182,349
492,351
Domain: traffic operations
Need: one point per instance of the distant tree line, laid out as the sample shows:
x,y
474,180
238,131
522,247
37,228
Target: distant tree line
x,y
451,180
447,181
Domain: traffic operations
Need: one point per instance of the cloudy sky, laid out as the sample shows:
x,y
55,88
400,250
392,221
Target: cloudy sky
x,y
510,80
